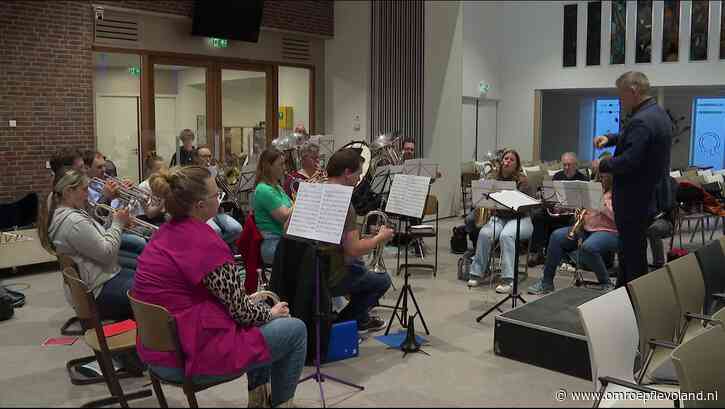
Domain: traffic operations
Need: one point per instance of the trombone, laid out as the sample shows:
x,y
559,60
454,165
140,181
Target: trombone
x,y
104,213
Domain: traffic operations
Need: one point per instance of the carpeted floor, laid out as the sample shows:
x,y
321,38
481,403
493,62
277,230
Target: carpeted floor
x,y
461,371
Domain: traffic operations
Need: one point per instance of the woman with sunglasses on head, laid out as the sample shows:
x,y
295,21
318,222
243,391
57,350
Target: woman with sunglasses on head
x,y
189,270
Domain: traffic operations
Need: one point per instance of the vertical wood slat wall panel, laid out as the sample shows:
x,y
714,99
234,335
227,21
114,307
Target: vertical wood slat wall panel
x,y
396,75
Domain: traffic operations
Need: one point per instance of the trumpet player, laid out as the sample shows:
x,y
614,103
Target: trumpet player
x,y
71,231
364,286
599,236
309,166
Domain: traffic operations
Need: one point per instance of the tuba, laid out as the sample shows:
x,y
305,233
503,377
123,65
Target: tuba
x,y
376,263
578,224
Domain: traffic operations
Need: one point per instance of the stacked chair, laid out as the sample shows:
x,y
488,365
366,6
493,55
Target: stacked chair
x,y
670,333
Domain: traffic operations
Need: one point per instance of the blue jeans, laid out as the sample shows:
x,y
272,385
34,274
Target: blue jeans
x,y
287,341
131,247
112,302
594,246
365,289
505,231
269,246
227,227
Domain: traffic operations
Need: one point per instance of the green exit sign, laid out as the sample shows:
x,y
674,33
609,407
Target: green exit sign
x,y
135,71
218,42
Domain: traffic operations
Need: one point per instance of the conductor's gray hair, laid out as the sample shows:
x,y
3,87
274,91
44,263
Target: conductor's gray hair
x,y
634,80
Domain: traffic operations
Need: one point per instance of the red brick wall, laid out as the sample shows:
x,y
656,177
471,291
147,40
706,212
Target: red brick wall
x,y
46,77
46,85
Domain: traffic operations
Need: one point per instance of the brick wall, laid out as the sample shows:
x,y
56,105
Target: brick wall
x,y
46,85
46,77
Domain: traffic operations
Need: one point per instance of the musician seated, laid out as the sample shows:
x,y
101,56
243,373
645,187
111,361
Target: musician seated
x,y
664,221
502,226
545,221
151,213
364,287
599,239
310,164
190,271
272,206
71,231
131,244
223,224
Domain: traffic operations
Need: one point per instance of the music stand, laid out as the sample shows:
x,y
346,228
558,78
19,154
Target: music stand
x,y
504,199
383,180
316,218
407,197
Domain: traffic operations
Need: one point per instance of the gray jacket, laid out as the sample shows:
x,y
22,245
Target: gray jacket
x,y
94,249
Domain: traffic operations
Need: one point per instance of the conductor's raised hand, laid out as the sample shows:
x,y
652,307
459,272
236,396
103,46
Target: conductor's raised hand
x,y
600,141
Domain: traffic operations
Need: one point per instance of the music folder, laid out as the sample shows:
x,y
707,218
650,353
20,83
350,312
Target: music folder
x,y
574,194
481,189
514,200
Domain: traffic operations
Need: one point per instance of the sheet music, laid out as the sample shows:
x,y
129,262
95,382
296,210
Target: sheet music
x,y
513,199
573,193
420,167
676,174
482,187
383,178
407,195
320,212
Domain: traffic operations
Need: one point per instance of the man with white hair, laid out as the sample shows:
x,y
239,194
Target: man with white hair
x,y
641,161
545,223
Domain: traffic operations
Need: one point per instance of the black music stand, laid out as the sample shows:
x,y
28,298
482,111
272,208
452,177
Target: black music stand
x,y
318,375
514,295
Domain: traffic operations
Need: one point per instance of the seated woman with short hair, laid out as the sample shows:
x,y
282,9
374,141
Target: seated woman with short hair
x,y
189,270
272,206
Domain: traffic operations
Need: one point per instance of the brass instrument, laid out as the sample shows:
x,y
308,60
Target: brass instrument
x,y
486,169
263,294
228,179
384,149
320,176
138,227
483,215
376,263
578,224
128,195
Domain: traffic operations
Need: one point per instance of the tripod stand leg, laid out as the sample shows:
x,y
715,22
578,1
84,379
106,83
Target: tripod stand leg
x,y
495,307
395,311
418,311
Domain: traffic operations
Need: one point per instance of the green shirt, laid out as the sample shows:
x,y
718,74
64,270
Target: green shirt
x,y
268,198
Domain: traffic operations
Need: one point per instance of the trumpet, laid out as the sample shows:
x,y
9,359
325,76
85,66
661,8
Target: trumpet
x,y
376,264
578,224
128,195
104,213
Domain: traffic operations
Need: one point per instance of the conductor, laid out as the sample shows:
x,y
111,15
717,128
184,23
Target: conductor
x,y
641,160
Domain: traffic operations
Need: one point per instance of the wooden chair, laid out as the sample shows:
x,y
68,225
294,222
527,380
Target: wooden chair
x,y
66,329
87,312
158,332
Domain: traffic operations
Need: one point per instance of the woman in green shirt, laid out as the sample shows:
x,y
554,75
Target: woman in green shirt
x,y
271,204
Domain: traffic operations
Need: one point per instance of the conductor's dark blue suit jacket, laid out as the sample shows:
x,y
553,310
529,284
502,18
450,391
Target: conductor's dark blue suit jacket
x,y
641,160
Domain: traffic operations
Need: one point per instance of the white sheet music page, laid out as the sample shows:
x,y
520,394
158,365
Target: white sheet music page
x,y
407,195
320,211
514,199
483,187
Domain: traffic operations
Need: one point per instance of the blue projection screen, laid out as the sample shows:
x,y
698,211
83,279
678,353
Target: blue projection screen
x,y
706,144
606,121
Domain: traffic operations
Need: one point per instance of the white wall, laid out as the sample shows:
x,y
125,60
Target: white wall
x,y
531,44
443,78
243,102
347,73
294,91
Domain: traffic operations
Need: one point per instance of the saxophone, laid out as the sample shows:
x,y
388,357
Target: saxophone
x,y
578,224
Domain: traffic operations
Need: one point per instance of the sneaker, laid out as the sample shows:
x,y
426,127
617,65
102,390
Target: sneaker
x,y
473,283
540,288
372,324
504,288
